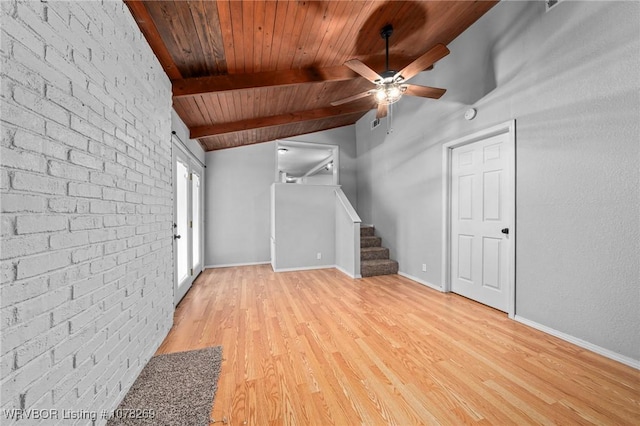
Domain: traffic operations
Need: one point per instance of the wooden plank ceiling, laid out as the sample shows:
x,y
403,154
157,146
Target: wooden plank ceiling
x,y
245,72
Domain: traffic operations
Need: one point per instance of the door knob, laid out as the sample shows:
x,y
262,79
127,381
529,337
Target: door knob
x,y
176,237
505,231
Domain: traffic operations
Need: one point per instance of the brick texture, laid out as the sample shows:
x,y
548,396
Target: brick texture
x,y
86,290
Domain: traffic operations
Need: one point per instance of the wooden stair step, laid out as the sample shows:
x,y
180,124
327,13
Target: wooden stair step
x,y
370,268
370,241
374,253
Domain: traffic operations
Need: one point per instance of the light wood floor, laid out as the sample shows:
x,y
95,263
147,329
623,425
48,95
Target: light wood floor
x,y
318,348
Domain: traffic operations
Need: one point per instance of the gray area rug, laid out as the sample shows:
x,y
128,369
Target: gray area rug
x,y
179,388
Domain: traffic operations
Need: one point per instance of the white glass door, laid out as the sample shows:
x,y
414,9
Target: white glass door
x,y
181,235
187,184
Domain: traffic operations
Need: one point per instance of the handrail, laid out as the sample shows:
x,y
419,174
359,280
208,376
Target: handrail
x,y
347,206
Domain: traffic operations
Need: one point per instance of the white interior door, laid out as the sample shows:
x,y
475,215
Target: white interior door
x,y
188,193
481,202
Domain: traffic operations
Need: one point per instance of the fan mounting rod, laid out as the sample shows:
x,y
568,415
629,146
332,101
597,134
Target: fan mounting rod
x,y
385,33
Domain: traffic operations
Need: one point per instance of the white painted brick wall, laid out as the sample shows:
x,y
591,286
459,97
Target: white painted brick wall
x,y
86,290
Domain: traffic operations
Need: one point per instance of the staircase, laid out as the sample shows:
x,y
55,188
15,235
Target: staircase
x,y
374,259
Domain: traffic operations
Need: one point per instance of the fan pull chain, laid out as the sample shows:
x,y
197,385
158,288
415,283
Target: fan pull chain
x,y
389,119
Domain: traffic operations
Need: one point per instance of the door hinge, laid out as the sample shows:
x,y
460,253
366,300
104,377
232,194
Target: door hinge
x,y
191,272
190,176
190,224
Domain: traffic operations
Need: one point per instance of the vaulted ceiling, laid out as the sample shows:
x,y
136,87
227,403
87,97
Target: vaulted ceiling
x,y
245,72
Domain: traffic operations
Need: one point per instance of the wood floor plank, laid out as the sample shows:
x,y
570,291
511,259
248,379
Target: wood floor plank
x,y
319,348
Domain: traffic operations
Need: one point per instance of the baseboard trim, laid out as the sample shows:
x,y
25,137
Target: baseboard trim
x,y
582,343
304,268
344,271
419,281
230,265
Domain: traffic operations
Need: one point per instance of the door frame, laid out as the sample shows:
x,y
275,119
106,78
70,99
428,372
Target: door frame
x,y
508,128
193,165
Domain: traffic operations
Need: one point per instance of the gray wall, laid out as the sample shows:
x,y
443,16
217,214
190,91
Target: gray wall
x,y
237,206
237,200
178,126
570,79
305,225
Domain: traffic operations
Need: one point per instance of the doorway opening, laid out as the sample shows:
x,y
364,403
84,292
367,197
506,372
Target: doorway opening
x,y
307,163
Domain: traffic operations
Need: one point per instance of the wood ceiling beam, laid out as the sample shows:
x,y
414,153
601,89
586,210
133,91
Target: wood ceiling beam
x,y
222,83
278,120
151,33
208,145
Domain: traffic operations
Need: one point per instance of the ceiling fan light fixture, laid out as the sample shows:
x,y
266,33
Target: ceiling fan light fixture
x,y
388,93
391,85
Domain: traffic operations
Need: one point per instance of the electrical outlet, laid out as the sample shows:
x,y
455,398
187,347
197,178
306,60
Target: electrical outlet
x,y
319,256
424,267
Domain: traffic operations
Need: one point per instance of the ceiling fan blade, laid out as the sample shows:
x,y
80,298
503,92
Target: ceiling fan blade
x,y
351,98
363,70
424,91
382,111
436,53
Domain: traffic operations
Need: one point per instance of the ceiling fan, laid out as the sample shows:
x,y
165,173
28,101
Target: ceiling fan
x,y
390,85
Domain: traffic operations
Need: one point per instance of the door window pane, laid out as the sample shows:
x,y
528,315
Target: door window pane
x,y
182,197
195,197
